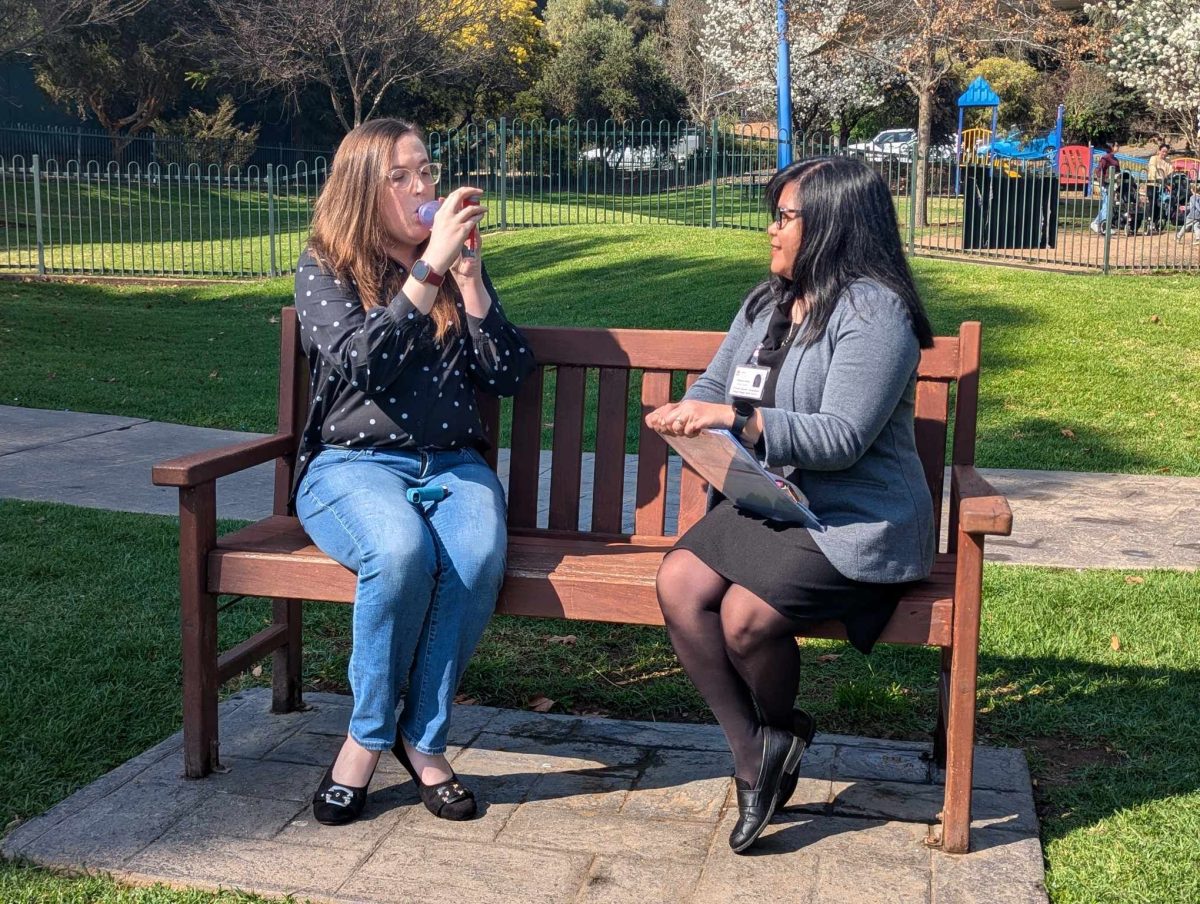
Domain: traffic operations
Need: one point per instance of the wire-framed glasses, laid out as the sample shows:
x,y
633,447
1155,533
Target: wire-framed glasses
x,y
401,177
785,215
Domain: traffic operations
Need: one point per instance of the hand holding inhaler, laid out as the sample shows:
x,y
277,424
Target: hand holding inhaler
x,y
453,220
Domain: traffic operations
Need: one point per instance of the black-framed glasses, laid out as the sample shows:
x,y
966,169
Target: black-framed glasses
x,y
402,177
786,215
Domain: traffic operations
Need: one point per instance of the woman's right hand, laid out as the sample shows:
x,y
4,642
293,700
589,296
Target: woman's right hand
x,y
451,228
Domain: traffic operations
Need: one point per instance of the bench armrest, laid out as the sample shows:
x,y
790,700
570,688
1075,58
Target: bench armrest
x,y
981,510
202,467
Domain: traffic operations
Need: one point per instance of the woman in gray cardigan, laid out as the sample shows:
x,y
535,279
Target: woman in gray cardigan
x,y
818,375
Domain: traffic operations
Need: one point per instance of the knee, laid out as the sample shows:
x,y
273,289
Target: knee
x,y
742,636
400,559
676,585
482,571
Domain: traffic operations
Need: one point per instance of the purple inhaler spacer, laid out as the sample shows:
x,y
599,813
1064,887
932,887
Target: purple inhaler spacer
x,y
427,211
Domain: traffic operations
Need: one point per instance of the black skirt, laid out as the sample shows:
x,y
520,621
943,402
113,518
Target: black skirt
x,y
782,564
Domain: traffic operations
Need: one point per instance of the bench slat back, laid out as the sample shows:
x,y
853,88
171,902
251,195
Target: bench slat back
x,y
605,366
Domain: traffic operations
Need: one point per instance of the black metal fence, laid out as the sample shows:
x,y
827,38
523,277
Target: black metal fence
x,y
73,204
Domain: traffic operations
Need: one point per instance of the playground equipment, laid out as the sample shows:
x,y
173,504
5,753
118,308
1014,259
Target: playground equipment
x,y
978,94
1189,165
1013,152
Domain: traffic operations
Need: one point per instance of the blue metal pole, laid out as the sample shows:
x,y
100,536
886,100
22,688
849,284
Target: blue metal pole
x,y
958,154
783,82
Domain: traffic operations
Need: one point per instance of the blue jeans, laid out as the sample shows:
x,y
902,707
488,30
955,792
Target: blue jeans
x,y
428,578
1101,221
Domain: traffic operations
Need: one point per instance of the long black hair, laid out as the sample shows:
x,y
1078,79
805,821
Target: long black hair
x,y
849,233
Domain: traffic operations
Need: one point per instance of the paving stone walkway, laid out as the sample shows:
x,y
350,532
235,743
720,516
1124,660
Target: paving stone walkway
x,y
576,810
1061,518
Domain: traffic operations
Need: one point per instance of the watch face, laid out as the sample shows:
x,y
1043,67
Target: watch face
x,y
741,406
420,271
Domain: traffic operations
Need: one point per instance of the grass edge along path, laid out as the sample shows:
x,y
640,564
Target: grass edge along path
x,y
1088,671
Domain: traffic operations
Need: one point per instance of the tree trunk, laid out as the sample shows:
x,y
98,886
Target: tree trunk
x,y
924,127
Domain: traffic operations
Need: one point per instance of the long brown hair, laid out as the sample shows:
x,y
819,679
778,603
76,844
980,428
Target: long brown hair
x,y
347,230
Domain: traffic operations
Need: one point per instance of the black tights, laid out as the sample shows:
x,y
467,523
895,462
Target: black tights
x,y
739,651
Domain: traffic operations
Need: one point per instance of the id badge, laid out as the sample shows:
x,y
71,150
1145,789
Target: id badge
x,y
749,382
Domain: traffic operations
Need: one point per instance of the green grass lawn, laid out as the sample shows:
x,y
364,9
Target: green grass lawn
x,y
89,642
1079,372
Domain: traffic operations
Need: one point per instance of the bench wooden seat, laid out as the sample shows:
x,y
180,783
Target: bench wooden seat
x,y
560,570
546,577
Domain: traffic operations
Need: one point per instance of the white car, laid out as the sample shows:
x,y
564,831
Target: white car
x,y
887,144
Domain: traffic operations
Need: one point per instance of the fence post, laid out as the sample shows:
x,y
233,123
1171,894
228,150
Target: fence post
x,y
1108,197
912,201
503,172
37,214
712,177
271,215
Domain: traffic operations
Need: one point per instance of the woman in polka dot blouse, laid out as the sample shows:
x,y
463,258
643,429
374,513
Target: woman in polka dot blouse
x,y
400,327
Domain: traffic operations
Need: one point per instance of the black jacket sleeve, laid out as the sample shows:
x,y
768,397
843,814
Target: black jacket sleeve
x,y
500,357
368,348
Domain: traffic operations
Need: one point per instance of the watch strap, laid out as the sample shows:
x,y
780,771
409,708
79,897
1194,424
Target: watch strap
x,y
422,272
741,414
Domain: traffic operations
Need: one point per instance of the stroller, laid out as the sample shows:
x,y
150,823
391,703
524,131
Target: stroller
x,y
1174,199
1129,204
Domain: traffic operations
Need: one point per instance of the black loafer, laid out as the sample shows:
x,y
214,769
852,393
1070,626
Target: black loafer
x,y
756,805
445,800
805,728
335,804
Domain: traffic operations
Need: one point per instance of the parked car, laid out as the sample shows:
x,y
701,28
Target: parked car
x,y
888,143
645,156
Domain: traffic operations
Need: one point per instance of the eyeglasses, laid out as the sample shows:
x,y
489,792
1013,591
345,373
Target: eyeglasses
x,y
786,215
402,177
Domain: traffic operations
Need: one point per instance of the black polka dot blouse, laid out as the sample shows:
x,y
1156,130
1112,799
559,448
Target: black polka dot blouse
x,y
381,380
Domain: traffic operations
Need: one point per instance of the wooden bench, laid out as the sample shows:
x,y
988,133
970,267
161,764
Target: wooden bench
x,y
560,571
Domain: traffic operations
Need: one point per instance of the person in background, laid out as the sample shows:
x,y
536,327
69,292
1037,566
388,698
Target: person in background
x,y
1108,162
1192,216
1158,170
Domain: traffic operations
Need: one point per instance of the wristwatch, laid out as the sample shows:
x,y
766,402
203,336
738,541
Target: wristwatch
x,y
422,272
742,412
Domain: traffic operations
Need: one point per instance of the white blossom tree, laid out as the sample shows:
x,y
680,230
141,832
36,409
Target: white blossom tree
x,y
1155,50
738,38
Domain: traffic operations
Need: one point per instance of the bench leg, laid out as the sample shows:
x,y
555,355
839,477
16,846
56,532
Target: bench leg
x,y
198,623
939,731
960,722
287,661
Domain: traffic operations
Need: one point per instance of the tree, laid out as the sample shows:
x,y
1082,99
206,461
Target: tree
x,y
707,86
1016,82
510,52
922,40
1097,108
564,18
356,50
1155,50
600,72
738,38
125,74
225,142
26,25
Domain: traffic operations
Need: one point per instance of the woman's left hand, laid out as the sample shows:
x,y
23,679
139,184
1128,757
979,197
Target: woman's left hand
x,y
689,418
467,269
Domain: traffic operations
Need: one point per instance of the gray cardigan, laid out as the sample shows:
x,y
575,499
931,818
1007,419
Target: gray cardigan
x,y
843,416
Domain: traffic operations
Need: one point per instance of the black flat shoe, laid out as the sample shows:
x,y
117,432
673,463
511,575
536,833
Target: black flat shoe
x,y
756,805
805,728
445,800
335,804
